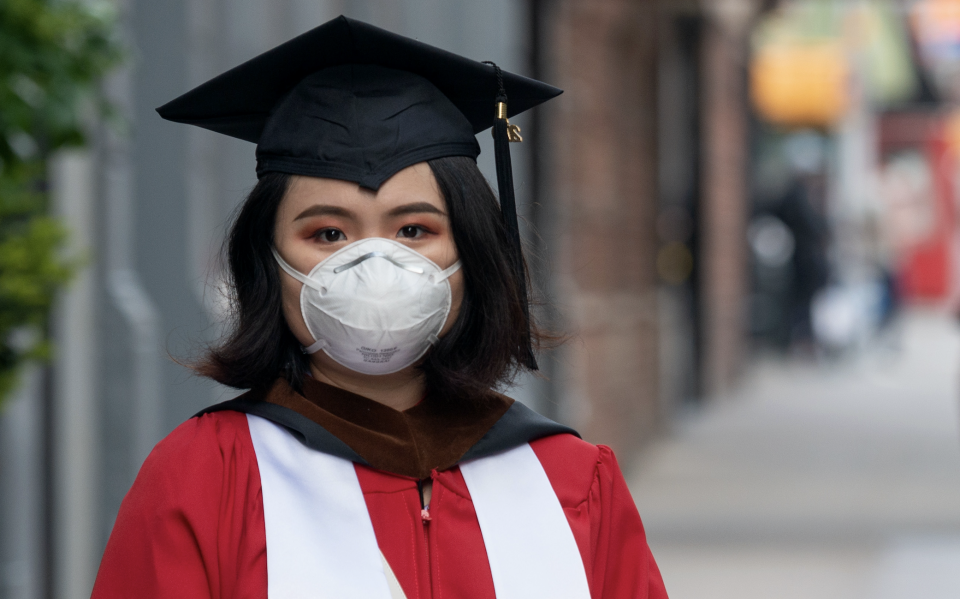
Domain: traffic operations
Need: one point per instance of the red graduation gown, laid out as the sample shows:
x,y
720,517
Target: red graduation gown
x,y
192,525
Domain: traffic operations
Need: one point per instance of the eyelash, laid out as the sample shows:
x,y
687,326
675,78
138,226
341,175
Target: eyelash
x,y
320,235
419,228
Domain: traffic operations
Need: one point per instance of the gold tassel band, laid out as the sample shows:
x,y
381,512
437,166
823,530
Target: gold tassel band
x,y
513,131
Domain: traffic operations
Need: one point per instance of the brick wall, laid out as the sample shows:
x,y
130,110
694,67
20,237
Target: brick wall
x,y
600,178
602,182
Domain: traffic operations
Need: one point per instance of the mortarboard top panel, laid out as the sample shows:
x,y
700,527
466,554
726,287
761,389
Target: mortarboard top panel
x,y
239,102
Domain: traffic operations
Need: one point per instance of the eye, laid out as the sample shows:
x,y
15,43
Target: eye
x,y
329,235
411,232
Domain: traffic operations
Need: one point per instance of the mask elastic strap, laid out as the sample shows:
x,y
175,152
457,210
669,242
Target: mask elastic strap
x,y
295,273
316,346
447,273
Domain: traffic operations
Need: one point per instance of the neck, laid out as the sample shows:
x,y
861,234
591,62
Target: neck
x,y
400,390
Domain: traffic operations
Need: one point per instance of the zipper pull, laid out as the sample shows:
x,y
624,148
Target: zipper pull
x,y
424,507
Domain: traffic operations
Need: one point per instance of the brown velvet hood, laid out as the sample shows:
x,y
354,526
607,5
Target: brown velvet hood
x,y
434,434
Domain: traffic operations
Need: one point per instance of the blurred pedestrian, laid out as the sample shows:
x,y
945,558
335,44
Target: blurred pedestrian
x,y
380,297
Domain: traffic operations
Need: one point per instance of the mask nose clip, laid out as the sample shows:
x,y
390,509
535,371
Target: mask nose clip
x,y
386,257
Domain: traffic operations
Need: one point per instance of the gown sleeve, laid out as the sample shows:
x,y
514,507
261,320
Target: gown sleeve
x,y
191,527
623,566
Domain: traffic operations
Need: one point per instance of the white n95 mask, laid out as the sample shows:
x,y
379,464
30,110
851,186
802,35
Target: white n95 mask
x,y
375,306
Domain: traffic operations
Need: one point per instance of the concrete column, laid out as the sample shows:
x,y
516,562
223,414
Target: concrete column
x,y
724,193
603,176
75,414
204,213
129,361
21,483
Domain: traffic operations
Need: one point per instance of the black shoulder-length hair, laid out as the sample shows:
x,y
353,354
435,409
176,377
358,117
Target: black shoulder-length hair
x,y
484,348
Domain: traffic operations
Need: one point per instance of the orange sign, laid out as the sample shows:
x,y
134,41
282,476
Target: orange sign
x,y
800,83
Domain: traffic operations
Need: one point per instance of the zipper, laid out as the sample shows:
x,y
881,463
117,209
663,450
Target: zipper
x,y
425,519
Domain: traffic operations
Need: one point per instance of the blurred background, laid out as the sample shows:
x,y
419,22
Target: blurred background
x,y
744,213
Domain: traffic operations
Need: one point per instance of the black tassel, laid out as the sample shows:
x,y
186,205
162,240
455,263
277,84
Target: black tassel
x,y
503,134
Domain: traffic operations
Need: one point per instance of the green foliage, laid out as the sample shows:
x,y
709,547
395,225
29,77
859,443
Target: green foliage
x,y
52,54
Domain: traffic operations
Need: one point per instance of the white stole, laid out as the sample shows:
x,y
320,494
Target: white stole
x,y
321,543
530,547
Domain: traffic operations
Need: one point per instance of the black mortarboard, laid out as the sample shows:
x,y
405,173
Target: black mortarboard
x,y
351,101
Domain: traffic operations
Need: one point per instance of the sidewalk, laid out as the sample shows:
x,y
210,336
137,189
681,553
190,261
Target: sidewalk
x,y
838,481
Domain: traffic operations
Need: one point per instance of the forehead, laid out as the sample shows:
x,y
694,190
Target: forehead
x,y
413,184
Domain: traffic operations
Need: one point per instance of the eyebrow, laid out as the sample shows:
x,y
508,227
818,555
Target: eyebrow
x,y
324,210
416,208
328,210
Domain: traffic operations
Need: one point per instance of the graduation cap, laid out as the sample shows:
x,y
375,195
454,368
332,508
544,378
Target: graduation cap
x,y
351,101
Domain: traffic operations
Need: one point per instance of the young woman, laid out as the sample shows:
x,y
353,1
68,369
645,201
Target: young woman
x,y
380,300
